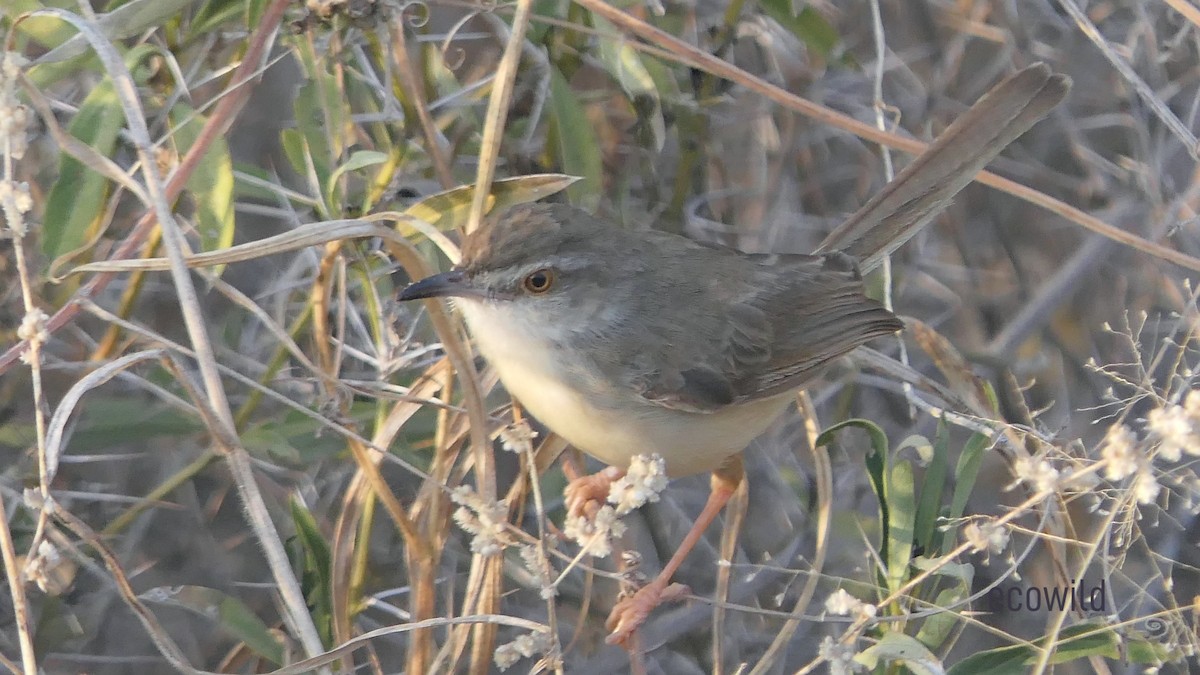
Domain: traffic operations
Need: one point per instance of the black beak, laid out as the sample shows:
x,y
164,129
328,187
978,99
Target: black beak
x,y
447,284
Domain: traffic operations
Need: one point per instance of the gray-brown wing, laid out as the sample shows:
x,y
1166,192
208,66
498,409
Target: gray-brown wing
x,y
816,311
786,319
683,363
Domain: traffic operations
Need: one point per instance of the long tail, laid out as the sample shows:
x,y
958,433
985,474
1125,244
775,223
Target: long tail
x,y
927,185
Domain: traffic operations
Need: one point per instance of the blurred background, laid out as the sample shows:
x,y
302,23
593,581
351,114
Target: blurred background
x,y
1039,333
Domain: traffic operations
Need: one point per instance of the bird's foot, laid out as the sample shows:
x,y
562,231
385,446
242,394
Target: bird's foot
x,y
632,611
593,488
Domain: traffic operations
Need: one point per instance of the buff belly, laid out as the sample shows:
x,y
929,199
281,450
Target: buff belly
x,y
609,424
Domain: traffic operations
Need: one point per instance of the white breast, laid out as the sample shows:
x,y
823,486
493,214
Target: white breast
x,y
608,424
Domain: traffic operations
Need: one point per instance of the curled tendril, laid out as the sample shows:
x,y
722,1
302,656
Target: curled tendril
x,y
453,57
1155,627
415,14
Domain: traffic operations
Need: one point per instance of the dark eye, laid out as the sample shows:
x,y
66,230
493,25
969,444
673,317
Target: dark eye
x,y
539,281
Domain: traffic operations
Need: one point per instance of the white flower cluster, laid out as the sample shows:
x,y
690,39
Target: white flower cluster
x,y
1120,452
524,646
841,603
34,331
1177,428
14,117
518,437
642,482
988,536
488,522
15,200
539,567
16,196
839,656
50,570
595,536
1172,431
1039,473
33,326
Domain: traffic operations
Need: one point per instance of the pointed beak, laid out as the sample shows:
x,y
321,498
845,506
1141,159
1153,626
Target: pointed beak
x,y
447,284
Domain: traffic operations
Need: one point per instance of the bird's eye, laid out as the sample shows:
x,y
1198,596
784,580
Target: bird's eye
x,y
539,281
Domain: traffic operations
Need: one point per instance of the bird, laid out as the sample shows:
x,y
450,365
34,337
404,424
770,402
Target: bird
x,y
628,342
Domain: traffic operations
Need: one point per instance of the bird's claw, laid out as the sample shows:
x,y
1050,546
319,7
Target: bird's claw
x,y
584,489
632,611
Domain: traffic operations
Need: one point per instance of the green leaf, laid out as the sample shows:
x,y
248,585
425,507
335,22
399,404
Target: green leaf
x,y
572,135
18,434
624,64
358,160
126,20
920,445
1140,650
1085,640
216,13
211,184
267,441
1076,642
1002,661
965,473
47,31
295,148
315,562
449,209
878,438
808,26
901,514
935,629
312,156
990,392
896,647
230,613
252,182
961,574
254,11
876,462
77,198
110,421
932,486
296,439
664,81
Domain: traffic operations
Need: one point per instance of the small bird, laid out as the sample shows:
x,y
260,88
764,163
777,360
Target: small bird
x,y
619,339
628,342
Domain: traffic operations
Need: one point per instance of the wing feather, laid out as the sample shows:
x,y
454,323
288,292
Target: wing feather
x,y
788,318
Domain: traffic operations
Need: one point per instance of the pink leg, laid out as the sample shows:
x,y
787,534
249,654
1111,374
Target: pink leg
x,y
633,610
